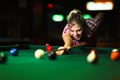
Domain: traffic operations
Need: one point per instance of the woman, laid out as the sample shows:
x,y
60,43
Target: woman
x,y
79,31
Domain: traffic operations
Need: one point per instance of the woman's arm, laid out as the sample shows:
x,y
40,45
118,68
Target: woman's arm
x,y
67,40
67,43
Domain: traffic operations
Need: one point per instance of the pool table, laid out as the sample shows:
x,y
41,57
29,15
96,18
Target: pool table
x,y
70,66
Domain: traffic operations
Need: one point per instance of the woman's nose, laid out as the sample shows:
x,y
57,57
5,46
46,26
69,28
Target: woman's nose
x,y
75,33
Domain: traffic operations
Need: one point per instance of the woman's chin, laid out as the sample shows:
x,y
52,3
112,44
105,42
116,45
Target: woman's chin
x,y
77,38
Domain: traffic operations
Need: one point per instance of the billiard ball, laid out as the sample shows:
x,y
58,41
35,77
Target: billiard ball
x,y
115,55
3,57
92,56
14,52
47,44
49,48
39,53
52,55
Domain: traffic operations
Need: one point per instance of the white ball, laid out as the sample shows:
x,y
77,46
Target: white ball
x,y
91,57
115,50
39,53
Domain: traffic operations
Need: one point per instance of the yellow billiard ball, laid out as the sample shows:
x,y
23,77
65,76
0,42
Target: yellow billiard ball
x,y
92,56
39,53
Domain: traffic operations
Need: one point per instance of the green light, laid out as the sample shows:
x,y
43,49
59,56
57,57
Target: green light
x,y
86,16
67,17
57,17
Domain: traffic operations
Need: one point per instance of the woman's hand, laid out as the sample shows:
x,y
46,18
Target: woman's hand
x,y
61,50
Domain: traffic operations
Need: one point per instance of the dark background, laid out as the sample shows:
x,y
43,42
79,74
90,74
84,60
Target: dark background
x,y
31,20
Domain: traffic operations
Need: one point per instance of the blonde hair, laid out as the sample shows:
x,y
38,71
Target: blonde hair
x,y
76,16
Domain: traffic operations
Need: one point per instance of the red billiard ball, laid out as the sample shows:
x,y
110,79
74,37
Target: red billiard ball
x,y
14,52
49,48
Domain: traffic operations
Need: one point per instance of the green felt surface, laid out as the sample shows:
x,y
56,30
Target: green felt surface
x,y
73,66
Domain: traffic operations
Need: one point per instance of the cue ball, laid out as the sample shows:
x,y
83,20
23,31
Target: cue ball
x,y
3,57
39,53
115,55
14,52
92,56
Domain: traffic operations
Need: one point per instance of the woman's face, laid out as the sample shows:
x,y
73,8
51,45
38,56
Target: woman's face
x,y
76,31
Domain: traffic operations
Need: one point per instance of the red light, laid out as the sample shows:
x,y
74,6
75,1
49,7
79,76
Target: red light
x,y
50,6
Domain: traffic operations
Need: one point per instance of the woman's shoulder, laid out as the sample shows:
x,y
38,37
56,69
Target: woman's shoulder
x,y
66,29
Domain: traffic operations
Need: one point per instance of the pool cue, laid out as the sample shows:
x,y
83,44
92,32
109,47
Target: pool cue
x,y
59,49
70,47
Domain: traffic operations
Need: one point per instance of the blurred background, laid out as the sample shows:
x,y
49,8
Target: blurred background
x,y
42,21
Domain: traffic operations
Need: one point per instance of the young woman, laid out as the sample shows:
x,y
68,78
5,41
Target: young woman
x,y
79,31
